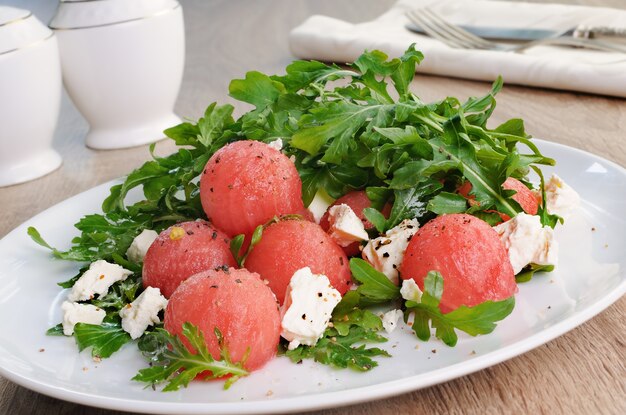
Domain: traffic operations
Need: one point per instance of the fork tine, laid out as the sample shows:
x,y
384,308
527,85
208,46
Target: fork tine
x,y
457,31
435,31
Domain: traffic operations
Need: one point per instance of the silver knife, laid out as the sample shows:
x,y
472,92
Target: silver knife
x,y
503,33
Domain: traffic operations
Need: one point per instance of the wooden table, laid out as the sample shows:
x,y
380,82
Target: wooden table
x,y
581,372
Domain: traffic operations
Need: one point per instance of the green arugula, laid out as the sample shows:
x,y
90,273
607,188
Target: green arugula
x,y
546,218
104,339
480,319
237,242
529,271
374,287
343,343
172,362
55,331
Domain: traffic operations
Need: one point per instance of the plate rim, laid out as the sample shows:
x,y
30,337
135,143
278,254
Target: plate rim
x,y
332,399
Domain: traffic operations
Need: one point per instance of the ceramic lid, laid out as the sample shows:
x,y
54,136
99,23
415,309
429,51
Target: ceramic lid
x,y
80,14
20,29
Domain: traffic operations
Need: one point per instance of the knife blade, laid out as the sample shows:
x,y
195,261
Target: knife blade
x,y
503,33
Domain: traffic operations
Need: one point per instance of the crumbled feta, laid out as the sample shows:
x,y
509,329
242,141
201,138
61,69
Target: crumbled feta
x,y
143,312
527,241
390,319
308,307
561,199
410,291
138,248
345,225
97,280
386,252
319,204
74,313
277,144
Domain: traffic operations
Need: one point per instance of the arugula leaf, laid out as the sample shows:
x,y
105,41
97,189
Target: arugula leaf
x,y
55,331
546,218
374,286
300,74
411,203
257,89
120,294
514,126
376,218
338,120
529,271
405,72
446,202
237,242
487,188
37,238
70,283
480,319
235,248
340,352
104,339
212,125
172,362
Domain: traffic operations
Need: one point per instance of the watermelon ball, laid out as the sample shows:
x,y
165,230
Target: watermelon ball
x,y
183,250
291,244
238,304
469,255
357,200
524,196
247,183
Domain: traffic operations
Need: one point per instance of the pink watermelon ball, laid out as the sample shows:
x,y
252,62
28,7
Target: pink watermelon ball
x,y
247,183
183,250
289,245
468,253
238,304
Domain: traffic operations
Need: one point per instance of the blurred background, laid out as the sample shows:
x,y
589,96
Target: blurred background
x,y
206,27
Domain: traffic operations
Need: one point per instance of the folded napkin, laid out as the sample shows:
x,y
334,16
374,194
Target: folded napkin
x,y
328,39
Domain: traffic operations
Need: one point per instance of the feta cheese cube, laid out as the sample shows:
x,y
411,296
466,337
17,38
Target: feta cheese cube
x,y
277,144
345,225
561,199
309,304
410,291
386,252
527,241
143,312
97,280
138,248
390,319
74,313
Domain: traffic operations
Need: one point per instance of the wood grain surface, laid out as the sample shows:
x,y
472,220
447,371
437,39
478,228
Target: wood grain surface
x,y
582,372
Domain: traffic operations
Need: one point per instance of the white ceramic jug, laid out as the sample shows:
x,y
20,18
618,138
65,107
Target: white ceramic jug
x,y
30,97
122,65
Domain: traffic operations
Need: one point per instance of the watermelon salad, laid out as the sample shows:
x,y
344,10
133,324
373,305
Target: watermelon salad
x,y
339,207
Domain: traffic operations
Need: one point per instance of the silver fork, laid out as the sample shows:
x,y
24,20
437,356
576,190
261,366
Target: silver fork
x,y
454,36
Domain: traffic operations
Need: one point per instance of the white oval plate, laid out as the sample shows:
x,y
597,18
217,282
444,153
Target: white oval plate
x,y
589,278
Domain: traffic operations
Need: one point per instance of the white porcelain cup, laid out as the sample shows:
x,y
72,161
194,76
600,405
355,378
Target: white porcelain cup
x,y
30,97
122,66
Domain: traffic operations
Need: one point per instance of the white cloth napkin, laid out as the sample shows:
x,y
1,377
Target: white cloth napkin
x,y
329,39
